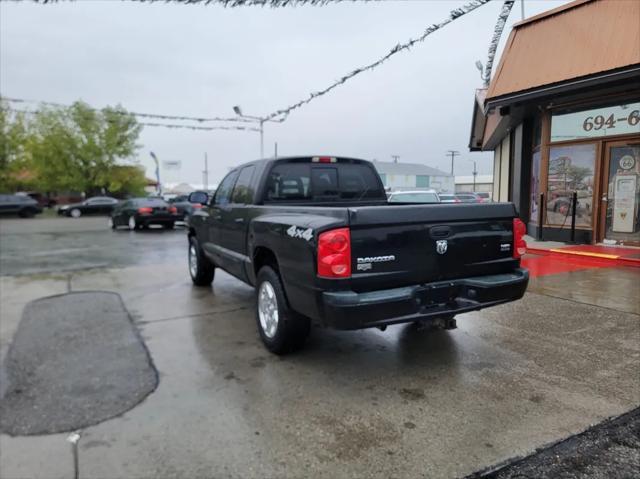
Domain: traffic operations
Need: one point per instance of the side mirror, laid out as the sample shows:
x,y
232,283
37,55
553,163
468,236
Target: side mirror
x,y
199,197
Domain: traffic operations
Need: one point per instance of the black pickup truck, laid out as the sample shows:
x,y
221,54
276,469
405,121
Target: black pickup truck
x,y
318,240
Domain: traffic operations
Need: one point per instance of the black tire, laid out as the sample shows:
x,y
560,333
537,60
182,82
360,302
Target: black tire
x,y
204,271
27,213
169,226
292,328
113,223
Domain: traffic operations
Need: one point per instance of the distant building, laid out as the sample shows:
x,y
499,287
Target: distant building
x,y
482,184
411,176
179,189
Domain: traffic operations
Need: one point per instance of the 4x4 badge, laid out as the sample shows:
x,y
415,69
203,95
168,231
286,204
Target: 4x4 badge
x,y
441,246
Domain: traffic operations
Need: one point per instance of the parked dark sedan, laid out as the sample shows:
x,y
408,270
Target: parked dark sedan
x,y
139,213
98,205
185,208
20,205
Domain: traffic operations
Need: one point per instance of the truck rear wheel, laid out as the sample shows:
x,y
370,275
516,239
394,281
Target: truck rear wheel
x,y
201,269
281,329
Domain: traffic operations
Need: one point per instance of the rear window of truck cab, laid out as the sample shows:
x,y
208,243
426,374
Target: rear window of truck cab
x,y
308,181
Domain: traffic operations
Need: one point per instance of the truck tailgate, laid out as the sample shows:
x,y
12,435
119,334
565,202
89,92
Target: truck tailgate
x,y
393,246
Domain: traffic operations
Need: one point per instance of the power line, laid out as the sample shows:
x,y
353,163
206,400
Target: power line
x,y
497,33
167,125
142,115
453,15
242,3
206,128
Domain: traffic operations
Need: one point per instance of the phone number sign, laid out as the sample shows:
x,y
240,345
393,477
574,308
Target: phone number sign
x,y
614,120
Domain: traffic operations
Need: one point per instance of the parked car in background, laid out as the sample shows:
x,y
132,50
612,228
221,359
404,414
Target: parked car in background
x,y
484,195
45,201
20,205
448,198
98,205
469,198
185,208
420,196
137,213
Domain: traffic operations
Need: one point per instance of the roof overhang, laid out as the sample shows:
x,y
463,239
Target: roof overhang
x,y
497,116
478,120
592,81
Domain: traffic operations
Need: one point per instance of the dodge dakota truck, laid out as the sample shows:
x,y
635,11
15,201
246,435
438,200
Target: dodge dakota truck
x,y
318,240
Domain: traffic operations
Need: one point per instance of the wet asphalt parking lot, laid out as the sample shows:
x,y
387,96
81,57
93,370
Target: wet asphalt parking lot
x,y
406,402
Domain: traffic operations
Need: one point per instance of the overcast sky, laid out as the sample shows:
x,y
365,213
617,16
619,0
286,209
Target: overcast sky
x,y
201,60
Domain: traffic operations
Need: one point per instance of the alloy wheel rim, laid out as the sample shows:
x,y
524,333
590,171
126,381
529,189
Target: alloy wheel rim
x,y
268,309
110,223
193,261
75,213
132,223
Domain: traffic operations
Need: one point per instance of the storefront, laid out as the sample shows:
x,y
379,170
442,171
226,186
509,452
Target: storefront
x,y
594,152
565,130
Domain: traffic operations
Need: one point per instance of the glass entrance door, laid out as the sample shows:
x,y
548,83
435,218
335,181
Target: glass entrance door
x,y
621,194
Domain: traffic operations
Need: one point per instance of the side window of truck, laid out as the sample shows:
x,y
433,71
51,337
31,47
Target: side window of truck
x,y
242,192
223,193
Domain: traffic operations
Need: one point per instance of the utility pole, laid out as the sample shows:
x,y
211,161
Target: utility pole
x,y
522,9
453,154
205,173
475,173
395,158
275,150
262,138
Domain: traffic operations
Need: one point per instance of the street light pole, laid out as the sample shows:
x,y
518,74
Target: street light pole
x,y
158,184
261,121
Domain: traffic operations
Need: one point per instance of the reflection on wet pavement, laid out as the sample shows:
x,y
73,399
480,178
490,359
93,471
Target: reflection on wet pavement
x,y
407,402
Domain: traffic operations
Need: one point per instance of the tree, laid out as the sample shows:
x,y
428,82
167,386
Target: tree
x,y
12,151
127,180
77,148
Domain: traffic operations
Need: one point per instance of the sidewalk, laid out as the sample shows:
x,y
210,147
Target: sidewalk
x,y
603,255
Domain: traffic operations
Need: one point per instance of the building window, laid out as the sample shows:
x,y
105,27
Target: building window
x,y
422,181
571,168
596,122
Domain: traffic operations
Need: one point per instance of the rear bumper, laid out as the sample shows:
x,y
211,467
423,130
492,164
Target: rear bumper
x,y
157,219
350,310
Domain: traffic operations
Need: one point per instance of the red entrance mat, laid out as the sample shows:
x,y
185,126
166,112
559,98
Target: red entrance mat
x,y
543,265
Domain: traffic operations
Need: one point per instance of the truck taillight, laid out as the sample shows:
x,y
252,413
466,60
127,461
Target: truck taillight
x,y
145,210
324,159
519,244
173,209
334,254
